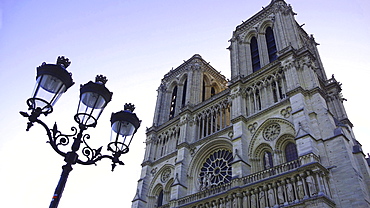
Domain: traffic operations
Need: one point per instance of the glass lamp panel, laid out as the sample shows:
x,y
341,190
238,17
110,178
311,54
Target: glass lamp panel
x,y
90,108
93,100
47,91
123,128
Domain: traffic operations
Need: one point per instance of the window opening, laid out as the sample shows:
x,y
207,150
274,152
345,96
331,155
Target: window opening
x,y
173,103
183,101
255,54
204,91
160,199
271,45
291,152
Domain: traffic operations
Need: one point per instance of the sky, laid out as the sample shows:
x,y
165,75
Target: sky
x,y
135,43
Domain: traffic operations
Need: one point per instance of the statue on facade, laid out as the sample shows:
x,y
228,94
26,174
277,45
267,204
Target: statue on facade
x,y
267,161
289,191
261,198
300,190
311,185
253,201
280,194
270,195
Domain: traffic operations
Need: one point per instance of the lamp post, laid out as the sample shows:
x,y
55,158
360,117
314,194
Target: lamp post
x,y
52,80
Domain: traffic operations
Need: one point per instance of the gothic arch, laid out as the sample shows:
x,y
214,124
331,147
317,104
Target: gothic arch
x,y
201,155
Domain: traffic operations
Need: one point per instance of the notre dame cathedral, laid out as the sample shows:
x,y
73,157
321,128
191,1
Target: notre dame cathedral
x,y
275,134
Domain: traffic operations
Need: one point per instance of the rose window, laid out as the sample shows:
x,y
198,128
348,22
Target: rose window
x,y
216,169
271,132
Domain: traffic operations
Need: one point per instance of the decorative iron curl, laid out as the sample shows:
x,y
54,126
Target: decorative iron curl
x,y
61,139
90,153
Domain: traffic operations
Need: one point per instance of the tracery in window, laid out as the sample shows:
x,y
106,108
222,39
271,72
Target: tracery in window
x,y
216,169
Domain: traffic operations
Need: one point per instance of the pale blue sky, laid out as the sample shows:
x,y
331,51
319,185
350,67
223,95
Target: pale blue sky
x,y
134,43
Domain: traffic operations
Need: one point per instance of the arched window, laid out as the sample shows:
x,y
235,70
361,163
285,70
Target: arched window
x,y
255,54
183,101
271,45
160,199
173,103
267,160
291,152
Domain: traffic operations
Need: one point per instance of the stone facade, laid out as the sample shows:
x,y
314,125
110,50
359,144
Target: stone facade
x,y
275,135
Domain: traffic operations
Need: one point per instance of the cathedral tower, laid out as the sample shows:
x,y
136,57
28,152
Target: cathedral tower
x,y
275,135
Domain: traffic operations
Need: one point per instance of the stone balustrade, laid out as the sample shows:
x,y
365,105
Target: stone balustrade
x,y
294,182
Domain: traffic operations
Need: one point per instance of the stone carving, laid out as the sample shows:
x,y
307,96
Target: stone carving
x,y
261,198
300,190
289,191
267,161
153,171
235,202
252,127
280,194
253,200
270,195
311,184
271,132
165,175
286,112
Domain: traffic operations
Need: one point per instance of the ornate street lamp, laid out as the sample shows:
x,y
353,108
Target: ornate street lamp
x,y
52,81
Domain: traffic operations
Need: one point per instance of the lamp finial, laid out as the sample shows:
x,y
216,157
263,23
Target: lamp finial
x,y
101,78
130,107
63,61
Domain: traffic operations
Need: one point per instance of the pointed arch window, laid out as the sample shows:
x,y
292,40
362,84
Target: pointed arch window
x,y
291,152
271,45
255,54
173,102
183,100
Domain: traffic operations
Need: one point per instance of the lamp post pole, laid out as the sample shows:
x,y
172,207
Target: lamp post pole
x,y
70,159
52,81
